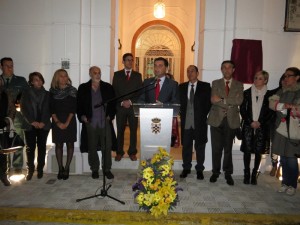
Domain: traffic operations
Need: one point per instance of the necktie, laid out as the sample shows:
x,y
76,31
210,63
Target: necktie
x,y
7,82
157,89
127,74
227,88
192,94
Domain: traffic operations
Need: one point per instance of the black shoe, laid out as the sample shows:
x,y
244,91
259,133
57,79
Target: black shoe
x,y
95,174
66,174
29,175
109,175
5,180
229,180
40,174
200,175
60,173
214,178
185,173
254,177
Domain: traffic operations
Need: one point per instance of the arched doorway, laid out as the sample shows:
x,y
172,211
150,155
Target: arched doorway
x,y
159,38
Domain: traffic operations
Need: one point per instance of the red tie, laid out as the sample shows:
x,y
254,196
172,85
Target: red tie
x,y
227,88
127,74
157,89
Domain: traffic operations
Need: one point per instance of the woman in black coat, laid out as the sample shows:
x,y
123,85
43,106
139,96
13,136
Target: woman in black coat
x,y
35,109
255,114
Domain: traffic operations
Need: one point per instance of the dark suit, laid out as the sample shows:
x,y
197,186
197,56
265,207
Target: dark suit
x,y
85,108
201,108
122,86
15,88
224,118
168,92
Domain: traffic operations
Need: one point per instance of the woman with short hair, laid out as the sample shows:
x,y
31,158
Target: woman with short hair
x,y
35,110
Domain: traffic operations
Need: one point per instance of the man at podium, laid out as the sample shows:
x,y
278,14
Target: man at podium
x,y
159,89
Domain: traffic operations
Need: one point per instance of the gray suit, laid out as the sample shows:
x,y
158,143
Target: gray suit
x,y
230,106
224,118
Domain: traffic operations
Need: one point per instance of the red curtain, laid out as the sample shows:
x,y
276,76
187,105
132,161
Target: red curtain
x,y
247,56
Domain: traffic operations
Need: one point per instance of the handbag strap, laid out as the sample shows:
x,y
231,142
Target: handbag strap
x,y
287,119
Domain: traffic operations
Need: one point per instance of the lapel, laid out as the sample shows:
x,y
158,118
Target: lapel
x,y
164,88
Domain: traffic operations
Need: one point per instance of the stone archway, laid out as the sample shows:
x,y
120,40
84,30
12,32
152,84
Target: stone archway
x,y
169,26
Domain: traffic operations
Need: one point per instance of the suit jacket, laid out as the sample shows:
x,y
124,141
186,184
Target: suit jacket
x,y
168,92
84,106
123,86
16,86
201,109
230,105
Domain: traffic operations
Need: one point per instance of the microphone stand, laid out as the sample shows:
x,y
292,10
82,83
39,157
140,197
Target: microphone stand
x,y
105,189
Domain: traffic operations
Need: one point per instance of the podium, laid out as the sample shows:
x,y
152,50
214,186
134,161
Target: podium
x,y
155,126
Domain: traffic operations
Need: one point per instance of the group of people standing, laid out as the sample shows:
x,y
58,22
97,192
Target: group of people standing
x,y
96,103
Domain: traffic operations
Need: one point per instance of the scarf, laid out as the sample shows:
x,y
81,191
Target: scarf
x,y
63,93
257,97
37,97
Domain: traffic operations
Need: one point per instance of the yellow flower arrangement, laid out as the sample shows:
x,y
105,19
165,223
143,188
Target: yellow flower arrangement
x,y
156,189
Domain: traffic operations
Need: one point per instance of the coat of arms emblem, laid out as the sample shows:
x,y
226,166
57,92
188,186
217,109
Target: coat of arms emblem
x,y
156,125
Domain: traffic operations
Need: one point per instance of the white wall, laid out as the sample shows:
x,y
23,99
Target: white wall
x,y
243,19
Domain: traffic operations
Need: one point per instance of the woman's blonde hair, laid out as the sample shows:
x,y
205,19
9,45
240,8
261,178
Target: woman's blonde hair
x,y
265,74
54,82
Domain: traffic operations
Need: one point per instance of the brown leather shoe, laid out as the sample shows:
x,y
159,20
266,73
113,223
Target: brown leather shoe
x,y
273,171
5,180
133,157
118,157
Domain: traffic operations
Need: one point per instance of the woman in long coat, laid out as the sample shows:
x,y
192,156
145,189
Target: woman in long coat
x,y
287,100
255,114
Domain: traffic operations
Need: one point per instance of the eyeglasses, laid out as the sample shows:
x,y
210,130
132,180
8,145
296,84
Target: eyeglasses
x,y
289,75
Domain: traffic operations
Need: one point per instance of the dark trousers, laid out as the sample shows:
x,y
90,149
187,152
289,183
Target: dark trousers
x,y
187,151
3,165
290,170
36,137
99,137
247,160
122,116
222,139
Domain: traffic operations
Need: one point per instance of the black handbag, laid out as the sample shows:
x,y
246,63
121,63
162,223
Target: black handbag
x,y
238,131
10,141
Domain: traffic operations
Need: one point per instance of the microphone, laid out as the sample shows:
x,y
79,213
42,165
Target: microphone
x,y
256,98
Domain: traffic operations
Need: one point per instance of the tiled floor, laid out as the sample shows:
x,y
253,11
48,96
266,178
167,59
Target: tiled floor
x,y
197,196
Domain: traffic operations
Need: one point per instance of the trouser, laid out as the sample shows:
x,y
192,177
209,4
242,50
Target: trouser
x,y
122,116
99,137
36,137
222,139
187,151
3,164
290,170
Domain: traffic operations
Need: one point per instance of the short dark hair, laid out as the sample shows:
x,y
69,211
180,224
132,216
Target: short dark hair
x,y
162,59
126,55
196,68
6,59
35,74
295,70
228,61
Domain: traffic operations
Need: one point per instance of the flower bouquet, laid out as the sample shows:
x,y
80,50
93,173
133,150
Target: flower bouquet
x,y
156,189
